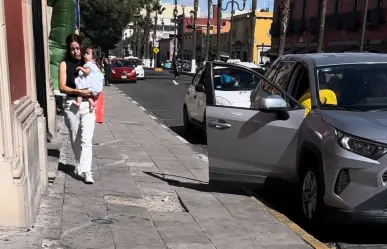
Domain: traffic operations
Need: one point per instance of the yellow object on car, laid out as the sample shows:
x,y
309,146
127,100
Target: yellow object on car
x,y
327,96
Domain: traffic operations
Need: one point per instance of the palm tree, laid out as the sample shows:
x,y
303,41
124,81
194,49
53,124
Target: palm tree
x,y
284,19
323,7
150,6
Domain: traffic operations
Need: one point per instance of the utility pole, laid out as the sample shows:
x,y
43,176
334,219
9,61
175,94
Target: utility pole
x,y
174,38
154,39
252,38
193,61
320,42
364,26
219,17
209,2
182,23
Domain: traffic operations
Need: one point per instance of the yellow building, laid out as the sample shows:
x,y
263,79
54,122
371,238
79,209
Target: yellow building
x,y
241,33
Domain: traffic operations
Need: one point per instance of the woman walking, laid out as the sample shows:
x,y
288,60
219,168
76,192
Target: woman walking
x,y
79,120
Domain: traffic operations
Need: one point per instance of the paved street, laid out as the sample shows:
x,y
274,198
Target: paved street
x,y
161,97
151,192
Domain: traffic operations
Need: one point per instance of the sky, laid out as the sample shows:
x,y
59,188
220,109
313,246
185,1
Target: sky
x,y
203,4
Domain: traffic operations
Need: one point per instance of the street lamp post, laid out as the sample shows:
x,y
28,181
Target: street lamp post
x,y
364,25
182,36
193,60
174,38
233,2
219,16
209,2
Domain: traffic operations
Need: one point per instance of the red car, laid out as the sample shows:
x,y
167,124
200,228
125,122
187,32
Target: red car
x,y
123,71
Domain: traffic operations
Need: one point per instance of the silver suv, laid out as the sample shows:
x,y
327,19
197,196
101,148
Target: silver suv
x,y
317,120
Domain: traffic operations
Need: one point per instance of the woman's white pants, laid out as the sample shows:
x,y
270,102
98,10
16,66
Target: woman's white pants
x,y
81,123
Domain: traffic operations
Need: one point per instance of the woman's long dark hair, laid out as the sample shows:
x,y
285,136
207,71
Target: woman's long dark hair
x,y
70,39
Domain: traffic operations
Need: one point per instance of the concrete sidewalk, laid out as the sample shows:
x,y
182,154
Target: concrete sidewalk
x,y
150,192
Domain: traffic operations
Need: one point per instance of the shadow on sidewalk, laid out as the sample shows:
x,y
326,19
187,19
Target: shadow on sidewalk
x,y
69,170
200,186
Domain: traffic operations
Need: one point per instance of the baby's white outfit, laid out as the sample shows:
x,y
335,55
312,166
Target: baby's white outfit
x,y
92,82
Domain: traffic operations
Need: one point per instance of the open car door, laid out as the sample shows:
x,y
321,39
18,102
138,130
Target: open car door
x,y
247,145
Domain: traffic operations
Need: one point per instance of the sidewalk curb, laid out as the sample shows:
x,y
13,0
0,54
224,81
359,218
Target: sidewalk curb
x,y
177,136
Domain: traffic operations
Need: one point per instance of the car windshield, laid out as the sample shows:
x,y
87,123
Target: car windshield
x,y
124,63
229,79
360,87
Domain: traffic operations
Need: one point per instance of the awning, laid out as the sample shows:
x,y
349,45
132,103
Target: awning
x,y
340,48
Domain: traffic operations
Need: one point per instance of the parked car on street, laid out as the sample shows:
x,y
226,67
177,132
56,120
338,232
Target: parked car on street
x,y
140,72
316,120
232,88
122,71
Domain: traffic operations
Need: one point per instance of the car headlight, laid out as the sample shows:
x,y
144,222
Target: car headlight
x,y
133,71
360,146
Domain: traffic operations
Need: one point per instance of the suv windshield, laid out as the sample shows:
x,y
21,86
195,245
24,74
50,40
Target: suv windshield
x,y
229,79
124,63
357,86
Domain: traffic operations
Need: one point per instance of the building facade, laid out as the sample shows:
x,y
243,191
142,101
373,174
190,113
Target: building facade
x,y
23,157
343,26
165,24
185,34
241,36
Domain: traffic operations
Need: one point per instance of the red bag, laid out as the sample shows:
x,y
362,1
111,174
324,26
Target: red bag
x,y
99,109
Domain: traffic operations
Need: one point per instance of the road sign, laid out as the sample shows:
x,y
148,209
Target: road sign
x,y
156,50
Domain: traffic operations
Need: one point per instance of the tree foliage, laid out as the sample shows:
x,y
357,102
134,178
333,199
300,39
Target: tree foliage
x,y
103,21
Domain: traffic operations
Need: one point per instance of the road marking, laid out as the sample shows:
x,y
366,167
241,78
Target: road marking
x,y
164,126
309,239
129,98
175,83
142,108
182,139
152,117
134,102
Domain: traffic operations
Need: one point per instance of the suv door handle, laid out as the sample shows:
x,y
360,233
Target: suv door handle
x,y
219,124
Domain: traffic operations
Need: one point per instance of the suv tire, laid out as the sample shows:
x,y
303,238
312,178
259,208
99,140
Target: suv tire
x,y
311,194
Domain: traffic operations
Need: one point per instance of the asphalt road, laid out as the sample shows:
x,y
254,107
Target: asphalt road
x,y
158,94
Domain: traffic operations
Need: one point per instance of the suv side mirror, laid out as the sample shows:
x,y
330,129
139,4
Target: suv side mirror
x,y
200,88
274,103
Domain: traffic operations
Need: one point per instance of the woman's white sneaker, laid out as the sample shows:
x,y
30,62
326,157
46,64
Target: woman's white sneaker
x,y
88,176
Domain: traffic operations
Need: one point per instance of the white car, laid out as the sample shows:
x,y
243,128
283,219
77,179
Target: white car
x,y
232,88
140,73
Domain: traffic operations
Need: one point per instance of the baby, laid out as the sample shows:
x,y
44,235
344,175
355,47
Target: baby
x,y
90,78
